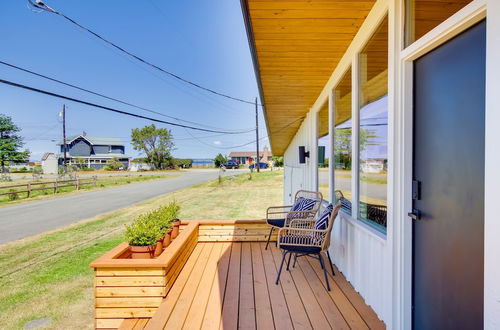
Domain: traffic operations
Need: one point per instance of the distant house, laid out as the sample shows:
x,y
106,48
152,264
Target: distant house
x,y
247,157
94,152
49,163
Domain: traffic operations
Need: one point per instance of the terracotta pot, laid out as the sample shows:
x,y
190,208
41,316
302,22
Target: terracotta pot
x,y
167,239
175,228
159,247
142,252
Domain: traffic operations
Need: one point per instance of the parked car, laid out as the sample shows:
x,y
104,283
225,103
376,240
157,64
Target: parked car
x,y
261,165
231,164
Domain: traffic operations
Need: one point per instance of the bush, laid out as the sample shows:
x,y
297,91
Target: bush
x,y
183,163
115,164
87,169
13,197
150,227
142,232
219,160
278,161
107,168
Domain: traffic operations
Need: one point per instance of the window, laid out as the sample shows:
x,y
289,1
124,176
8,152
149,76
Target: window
x,y
343,141
373,120
424,15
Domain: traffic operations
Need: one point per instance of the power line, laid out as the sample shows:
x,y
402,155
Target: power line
x,y
106,97
40,91
40,5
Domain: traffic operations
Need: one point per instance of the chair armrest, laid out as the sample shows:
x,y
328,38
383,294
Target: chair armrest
x,y
301,236
293,215
302,223
278,209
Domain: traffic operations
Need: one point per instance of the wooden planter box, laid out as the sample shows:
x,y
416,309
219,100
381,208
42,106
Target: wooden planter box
x,y
127,288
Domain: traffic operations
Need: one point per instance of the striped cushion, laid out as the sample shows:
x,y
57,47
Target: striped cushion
x,y
303,204
322,221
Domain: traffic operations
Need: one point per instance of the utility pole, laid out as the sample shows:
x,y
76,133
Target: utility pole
x,y
257,164
64,133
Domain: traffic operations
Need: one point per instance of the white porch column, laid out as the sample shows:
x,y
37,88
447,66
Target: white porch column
x,y
331,151
313,153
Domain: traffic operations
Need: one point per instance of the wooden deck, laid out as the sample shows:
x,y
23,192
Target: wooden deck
x,y
228,285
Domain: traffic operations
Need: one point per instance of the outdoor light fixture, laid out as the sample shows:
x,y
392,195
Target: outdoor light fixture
x,y
303,154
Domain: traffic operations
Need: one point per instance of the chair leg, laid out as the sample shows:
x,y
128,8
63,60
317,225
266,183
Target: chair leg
x,y
294,259
324,271
331,263
288,263
269,237
281,266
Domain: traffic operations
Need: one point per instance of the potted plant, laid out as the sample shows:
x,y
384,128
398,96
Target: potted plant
x,y
175,228
142,236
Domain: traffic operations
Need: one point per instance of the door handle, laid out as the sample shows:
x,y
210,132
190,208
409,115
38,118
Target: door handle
x,y
415,214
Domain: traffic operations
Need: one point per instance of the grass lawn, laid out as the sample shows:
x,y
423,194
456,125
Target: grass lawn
x,y
102,182
48,275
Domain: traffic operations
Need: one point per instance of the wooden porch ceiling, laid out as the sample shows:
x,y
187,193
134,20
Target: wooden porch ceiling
x,y
296,45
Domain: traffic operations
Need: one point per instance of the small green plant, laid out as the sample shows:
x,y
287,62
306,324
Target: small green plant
x,y
14,196
107,168
148,228
142,232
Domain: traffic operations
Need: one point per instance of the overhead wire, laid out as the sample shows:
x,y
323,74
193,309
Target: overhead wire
x,y
40,91
108,97
41,5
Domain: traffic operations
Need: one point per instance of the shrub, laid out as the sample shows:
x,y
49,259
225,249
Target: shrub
x,y
183,163
142,232
13,197
148,228
107,168
115,164
219,160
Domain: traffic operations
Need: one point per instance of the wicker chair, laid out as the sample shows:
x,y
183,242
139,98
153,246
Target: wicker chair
x,y
279,216
300,238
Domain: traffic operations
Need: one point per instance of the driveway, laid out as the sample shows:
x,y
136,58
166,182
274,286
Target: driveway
x,y
27,219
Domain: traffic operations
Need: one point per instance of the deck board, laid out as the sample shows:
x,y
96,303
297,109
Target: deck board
x,y
229,285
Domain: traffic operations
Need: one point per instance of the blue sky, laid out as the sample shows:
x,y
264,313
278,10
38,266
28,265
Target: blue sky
x,y
203,41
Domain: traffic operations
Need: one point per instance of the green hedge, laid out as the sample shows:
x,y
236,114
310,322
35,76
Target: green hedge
x,y
183,163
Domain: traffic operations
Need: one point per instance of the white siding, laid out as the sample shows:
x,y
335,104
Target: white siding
x,y
364,259
300,176
360,253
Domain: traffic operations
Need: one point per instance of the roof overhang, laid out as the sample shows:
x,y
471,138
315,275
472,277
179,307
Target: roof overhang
x,y
295,47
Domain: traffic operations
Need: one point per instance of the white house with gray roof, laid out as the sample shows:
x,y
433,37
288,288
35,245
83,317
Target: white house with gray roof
x,y
96,151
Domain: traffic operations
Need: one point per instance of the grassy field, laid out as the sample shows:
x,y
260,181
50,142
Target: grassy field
x,y
102,182
48,276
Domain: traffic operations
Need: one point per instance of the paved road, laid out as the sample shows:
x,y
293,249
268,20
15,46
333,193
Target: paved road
x,y
27,219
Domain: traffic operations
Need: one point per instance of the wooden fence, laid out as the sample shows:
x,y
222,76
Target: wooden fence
x,y
28,188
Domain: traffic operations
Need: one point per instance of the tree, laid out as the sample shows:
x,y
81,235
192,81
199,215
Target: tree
x,y
10,143
155,143
343,148
219,160
278,161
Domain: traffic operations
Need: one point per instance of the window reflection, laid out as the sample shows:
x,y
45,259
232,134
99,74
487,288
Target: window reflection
x,y
373,120
343,141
